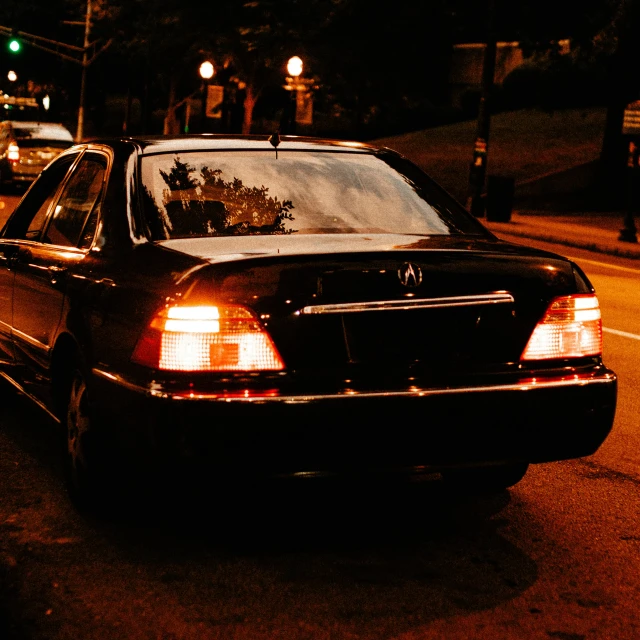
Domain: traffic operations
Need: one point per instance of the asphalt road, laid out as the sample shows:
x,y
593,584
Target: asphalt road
x,y
558,556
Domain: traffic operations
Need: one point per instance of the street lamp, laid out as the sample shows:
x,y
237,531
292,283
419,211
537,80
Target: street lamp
x,y
206,70
206,73
294,69
294,66
12,76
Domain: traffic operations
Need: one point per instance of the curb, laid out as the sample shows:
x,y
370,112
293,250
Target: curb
x,y
577,236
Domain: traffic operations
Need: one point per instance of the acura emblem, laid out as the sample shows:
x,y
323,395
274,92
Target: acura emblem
x,y
410,275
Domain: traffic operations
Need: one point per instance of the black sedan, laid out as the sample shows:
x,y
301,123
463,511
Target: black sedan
x,y
289,306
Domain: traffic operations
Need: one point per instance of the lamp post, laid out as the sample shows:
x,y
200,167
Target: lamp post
x,y
83,77
206,73
629,232
294,69
478,169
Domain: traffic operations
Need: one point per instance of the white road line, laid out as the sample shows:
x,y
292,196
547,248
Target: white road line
x,y
605,264
624,334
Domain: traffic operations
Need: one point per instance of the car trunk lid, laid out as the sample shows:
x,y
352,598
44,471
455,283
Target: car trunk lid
x,y
439,310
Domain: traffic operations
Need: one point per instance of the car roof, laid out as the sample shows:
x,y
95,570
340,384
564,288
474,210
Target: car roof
x,y
43,130
173,143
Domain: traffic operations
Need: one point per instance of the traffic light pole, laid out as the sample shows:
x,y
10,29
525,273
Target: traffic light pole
x,y
51,46
79,55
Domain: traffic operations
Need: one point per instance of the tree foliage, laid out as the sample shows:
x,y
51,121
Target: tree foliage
x,y
207,204
248,41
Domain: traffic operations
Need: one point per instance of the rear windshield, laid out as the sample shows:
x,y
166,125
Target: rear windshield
x,y
256,192
43,136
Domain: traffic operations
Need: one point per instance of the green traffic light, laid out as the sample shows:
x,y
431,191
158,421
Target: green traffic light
x,y
14,45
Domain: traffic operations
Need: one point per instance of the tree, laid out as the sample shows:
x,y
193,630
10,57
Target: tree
x,y
259,37
385,63
603,35
618,41
250,41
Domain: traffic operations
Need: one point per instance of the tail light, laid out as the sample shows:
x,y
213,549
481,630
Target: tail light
x,y
570,328
13,153
207,338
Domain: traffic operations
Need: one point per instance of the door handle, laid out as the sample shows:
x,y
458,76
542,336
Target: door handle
x,y
17,254
56,272
10,253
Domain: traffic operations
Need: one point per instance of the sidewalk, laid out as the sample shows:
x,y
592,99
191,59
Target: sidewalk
x,y
594,232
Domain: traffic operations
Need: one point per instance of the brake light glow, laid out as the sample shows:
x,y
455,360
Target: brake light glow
x,y
570,328
207,338
13,152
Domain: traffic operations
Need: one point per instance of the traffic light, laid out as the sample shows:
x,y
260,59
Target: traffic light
x,y
14,45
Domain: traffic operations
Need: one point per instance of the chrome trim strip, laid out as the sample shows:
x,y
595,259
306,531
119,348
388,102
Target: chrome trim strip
x,y
405,305
32,341
31,397
532,385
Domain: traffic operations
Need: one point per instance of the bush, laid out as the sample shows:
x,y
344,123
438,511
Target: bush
x,y
563,82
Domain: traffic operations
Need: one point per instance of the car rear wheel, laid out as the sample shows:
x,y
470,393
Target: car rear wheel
x,y
85,467
490,479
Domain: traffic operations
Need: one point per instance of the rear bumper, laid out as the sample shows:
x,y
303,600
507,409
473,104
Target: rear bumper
x,y
26,174
533,421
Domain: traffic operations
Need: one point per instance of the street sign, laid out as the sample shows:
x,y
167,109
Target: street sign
x,y
215,96
304,107
631,120
18,101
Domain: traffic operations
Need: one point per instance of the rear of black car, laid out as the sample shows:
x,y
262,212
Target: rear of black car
x,y
311,338
374,377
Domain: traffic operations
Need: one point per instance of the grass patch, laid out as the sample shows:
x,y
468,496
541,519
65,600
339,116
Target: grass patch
x,y
524,144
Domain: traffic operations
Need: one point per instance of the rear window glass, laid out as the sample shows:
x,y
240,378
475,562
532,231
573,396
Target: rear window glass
x,y
258,193
44,133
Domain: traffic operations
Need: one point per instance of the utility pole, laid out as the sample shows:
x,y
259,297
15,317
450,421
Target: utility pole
x,y
79,55
83,80
478,169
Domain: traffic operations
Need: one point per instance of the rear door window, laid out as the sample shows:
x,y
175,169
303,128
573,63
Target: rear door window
x,y
75,215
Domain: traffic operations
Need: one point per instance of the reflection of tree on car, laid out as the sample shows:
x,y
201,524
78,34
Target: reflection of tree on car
x,y
210,205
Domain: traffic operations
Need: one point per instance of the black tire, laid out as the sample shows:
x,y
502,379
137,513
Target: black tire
x,y
84,461
489,479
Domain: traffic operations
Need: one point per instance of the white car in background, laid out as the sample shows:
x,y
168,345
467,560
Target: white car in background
x,y
26,148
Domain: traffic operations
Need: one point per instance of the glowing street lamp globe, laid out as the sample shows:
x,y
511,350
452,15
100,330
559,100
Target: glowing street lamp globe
x,y
294,66
206,70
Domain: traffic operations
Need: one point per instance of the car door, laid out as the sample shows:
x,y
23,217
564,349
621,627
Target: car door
x,y
42,264
17,236
6,309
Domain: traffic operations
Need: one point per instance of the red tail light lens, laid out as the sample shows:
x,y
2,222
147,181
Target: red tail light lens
x,y
207,338
570,328
13,152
